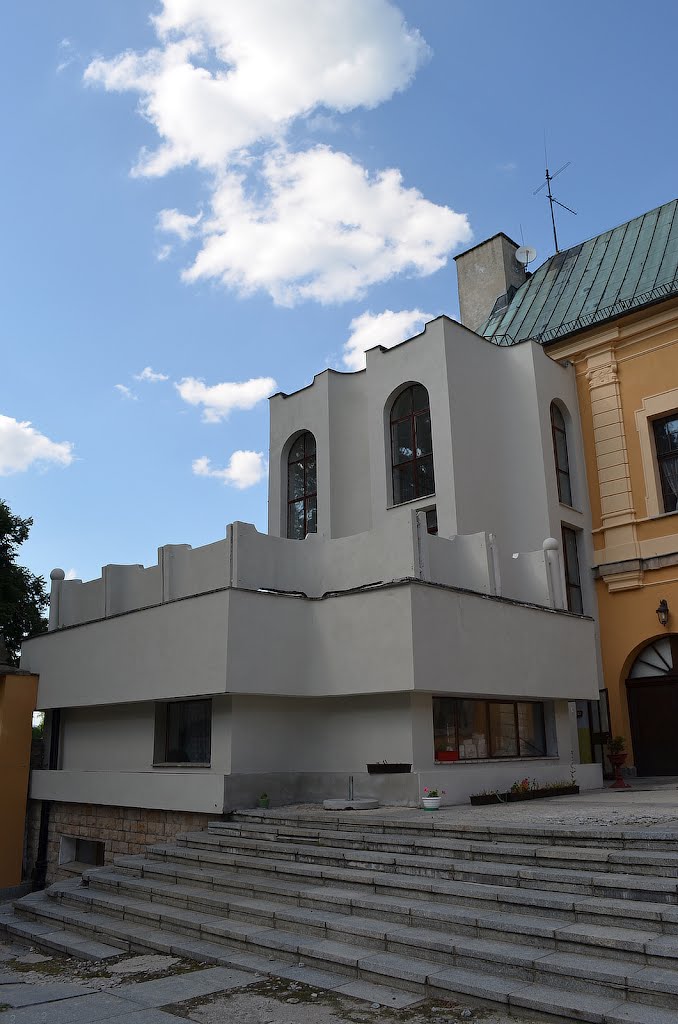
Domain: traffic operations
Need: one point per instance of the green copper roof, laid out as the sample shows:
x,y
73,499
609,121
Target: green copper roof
x,y
625,268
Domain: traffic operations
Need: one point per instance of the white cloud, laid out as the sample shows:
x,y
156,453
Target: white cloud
x,y
218,400
325,229
126,392
150,375
179,224
244,469
388,328
22,446
223,89
163,252
71,574
229,74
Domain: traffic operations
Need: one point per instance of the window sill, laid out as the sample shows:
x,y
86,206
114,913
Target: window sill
x,y
76,867
570,508
525,759
422,497
182,764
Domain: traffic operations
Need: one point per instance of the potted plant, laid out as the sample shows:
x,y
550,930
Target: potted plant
x,y
432,798
263,800
487,796
617,754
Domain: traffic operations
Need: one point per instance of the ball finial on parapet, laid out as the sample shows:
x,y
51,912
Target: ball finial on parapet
x,y
57,574
551,544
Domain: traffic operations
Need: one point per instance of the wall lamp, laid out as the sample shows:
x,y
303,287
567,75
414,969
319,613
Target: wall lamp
x,y
663,612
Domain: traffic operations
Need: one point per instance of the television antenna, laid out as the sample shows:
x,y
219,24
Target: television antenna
x,y
552,199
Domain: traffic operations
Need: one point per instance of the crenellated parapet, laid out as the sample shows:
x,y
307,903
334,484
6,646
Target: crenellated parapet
x,y
398,549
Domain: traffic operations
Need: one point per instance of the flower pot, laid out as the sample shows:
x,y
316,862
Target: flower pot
x,y
617,760
431,803
386,768
264,802
447,755
482,799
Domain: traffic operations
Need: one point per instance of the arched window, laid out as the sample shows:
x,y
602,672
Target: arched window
x,y
411,445
560,457
302,490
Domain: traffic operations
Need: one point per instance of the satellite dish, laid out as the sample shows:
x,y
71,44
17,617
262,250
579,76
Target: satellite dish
x,y
526,254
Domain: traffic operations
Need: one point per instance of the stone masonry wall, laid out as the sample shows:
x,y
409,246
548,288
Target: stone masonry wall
x,y
122,829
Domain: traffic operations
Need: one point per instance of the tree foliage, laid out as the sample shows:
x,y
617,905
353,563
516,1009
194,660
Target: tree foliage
x,y
23,596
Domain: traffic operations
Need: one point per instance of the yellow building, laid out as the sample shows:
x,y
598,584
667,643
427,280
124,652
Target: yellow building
x,y
18,691
610,306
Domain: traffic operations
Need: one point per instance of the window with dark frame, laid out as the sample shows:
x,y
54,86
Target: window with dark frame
x,y
560,455
575,602
666,447
183,732
432,521
471,729
302,488
411,445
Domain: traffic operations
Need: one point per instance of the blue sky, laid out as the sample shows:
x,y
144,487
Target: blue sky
x,y
282,228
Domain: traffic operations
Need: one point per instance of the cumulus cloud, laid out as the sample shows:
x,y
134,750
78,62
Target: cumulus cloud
x,y
325,229
22,446
125,392
244,469
223,89
71,574
150,375
388,328
218,400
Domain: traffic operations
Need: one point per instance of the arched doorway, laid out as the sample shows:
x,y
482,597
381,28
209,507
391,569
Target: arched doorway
x,y
652,691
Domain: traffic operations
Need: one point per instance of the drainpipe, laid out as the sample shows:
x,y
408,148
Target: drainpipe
x,y
39,876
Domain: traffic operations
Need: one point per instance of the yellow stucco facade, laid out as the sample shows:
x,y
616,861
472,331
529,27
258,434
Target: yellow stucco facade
x,y
627,376
18,692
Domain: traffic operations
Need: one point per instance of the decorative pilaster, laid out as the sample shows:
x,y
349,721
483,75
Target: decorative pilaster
x,y
618,515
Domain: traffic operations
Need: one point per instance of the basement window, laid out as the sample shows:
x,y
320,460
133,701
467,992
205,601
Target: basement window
x,y
183,733
74,851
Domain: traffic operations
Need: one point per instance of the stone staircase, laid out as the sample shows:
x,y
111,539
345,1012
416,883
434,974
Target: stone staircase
x,y
578,924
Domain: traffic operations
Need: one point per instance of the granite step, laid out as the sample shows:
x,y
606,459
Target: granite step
x,y
262,856
393,896
652,861
444,824
614,996
641,947
438,934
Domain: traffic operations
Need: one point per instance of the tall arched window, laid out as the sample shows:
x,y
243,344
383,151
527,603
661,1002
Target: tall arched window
x,y
560,457
302,490
411,445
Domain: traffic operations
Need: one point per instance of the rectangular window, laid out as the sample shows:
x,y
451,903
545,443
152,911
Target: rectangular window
x,y
81,851
666,446
432,520
572,577
183,732
468,730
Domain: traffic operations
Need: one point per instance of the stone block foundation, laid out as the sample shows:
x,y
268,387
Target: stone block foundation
x,y
122,830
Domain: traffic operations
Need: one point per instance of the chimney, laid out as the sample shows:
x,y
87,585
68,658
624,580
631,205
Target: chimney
x,y
485,273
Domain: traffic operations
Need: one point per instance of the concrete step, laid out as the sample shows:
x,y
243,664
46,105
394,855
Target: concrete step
x,y
393,896
584,882
438,935
651,861
618,995
45,935
444,824
640,947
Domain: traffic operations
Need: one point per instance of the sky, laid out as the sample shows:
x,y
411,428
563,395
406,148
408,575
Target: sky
x,y
206,201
